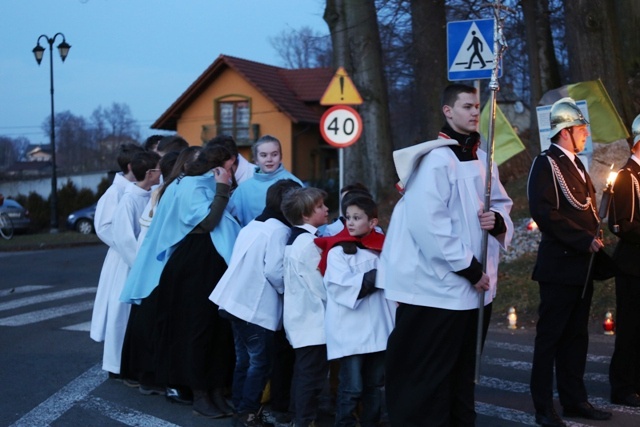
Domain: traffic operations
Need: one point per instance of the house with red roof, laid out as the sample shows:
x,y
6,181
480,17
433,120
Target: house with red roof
x,y
249,99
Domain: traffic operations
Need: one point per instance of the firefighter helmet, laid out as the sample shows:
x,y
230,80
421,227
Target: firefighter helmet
x,y
565,114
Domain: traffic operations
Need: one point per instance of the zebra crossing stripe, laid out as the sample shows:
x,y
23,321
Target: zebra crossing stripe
x,y
52,296
46,314
81,327
529,349
124,415
22,290
60,402
526,366
518,387
514,415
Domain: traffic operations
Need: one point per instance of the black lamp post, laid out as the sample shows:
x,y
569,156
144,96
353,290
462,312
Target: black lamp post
x,y
38,51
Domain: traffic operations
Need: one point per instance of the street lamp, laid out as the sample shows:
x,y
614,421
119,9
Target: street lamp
x,y
38,51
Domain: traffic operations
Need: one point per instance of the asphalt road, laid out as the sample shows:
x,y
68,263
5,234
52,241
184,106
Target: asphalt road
x,y
50,369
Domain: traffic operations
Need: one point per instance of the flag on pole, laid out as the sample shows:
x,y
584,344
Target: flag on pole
x,y
605,122
507,143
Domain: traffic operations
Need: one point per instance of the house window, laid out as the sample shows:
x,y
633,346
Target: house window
x,y
233,119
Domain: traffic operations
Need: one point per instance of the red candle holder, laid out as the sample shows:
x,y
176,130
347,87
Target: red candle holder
x,y
609,325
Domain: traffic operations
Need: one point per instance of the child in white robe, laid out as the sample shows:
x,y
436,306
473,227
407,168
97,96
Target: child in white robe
x,y
358,318
102,221
125,228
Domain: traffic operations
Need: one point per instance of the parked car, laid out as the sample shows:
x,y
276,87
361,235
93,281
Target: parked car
x,y
82,220
18,214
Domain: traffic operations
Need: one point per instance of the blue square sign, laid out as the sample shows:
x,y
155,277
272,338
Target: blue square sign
x,y
470,47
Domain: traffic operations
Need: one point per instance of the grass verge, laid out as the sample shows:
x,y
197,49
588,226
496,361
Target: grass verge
x,y
46,240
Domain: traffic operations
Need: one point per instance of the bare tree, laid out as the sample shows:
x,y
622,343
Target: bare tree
x,y
8,152
111,128
303,48
73,141
430,63
544,72
595,50
356,45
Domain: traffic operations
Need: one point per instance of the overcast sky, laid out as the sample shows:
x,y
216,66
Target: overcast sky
x,y
143,53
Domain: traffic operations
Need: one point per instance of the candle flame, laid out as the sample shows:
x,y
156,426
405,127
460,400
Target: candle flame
x,y
612,177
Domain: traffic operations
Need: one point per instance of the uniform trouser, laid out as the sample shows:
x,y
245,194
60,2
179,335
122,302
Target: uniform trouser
x,y
430,367
624,372
562,339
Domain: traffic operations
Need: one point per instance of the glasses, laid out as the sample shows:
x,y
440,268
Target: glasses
x,y
153,170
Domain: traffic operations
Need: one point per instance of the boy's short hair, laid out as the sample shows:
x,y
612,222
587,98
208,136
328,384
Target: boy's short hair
x,y
151,142
451,92
275,193
142,162
356,186
367,204
301,202
125,155
171,143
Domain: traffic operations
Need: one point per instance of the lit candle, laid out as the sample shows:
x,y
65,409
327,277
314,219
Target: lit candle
x,y
609,325
606,194
512,317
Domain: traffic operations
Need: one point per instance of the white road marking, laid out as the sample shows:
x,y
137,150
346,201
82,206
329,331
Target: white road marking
x,y
22,290
124,415
81,327
514,415
52,296
56,405
46,314
529,349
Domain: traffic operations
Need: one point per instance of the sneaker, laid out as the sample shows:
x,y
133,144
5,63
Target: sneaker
x,y
130,383
150,390
249,419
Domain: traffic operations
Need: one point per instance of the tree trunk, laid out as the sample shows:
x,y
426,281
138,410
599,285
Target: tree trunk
x,y
356,45
544,73
627,23
429,36
595,50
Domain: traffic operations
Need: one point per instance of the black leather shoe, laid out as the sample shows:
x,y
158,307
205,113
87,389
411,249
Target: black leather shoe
x,y
632,399
549,418
586,410
177,395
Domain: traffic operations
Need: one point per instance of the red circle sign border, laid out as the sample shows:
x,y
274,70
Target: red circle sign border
x,y
324,118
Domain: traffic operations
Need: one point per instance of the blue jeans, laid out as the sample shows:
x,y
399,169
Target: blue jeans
x,y
361,378
253,346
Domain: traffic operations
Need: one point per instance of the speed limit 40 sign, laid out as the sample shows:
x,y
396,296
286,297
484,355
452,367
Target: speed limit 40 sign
x,y
341,126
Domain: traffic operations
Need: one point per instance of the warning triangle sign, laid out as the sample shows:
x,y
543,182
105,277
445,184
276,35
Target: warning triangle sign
x,y
341,90
474,53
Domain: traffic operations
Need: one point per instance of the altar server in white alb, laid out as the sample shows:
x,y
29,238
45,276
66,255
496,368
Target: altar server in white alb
x,y
249,294
102,222
430,265
125,228
358,317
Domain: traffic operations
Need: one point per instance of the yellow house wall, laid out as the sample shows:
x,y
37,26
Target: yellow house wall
x,y
263,112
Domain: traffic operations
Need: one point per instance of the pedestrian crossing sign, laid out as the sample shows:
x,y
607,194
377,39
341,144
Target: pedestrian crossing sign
x,y
470,54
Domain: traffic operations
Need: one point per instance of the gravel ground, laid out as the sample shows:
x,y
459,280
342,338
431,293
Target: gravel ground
x,y
524,241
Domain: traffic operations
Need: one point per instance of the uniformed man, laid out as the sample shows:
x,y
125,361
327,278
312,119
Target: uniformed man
x,y
624,221
562,203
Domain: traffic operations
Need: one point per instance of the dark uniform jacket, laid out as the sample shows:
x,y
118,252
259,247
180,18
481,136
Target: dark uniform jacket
x,y
625,213
567,231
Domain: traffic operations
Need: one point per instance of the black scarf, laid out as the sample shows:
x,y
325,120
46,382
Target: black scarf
x,y
468,144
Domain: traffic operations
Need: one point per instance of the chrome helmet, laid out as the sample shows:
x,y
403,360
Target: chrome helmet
x,y
635,129
564,114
